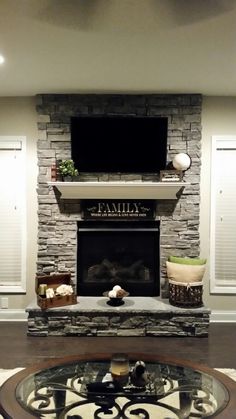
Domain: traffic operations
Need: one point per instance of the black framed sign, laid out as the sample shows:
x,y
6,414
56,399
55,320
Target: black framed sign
x,y
118,209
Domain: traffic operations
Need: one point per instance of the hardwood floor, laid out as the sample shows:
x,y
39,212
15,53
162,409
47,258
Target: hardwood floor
x,y
19,350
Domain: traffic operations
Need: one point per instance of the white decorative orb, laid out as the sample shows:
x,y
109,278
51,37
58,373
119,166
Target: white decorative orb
x,y
116,288
181,161
112,294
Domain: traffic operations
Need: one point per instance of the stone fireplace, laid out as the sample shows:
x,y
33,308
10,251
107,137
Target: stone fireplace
x,y
58,218
62,228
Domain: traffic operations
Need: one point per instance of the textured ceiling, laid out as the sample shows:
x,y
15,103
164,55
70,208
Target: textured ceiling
x,y
118,46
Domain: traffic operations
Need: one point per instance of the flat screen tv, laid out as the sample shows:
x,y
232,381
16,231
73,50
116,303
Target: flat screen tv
x,y
119,144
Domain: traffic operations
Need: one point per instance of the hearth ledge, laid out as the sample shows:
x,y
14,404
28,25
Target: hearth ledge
x,y
139,316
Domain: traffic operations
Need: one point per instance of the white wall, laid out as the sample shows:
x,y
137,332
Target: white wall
x,y
18,117
218,118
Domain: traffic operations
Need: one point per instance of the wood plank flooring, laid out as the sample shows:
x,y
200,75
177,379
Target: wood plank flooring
x,y
19,350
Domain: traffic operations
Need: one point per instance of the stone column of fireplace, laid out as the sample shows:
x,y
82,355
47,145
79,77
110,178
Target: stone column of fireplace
x,y
179,220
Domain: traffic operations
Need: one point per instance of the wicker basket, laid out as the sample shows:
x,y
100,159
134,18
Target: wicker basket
x,y
185,295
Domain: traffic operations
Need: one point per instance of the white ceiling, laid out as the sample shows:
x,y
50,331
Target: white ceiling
x,y
117,46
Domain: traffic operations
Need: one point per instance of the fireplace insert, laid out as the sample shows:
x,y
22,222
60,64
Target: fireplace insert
x,y
118,253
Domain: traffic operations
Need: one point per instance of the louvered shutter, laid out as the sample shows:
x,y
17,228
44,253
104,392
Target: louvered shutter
x,y
223,246
12,216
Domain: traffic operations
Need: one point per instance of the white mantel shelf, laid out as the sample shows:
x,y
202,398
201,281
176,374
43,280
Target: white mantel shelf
x,y
119,190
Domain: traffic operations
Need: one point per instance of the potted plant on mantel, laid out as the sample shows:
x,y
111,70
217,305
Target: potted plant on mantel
x,y
67,170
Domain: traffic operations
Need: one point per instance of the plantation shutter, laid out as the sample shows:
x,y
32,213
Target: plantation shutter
x,y
224,207
12,215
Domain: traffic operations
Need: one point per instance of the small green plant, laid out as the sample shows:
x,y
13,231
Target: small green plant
x,y
67,168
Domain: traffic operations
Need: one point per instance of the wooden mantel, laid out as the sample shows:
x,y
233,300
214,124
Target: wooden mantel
x,y
119,190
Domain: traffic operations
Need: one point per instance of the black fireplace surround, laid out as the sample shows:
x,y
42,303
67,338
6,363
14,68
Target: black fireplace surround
x,y
124,253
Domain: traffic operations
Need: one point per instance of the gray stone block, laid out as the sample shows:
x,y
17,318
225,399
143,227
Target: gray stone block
x,y
131,332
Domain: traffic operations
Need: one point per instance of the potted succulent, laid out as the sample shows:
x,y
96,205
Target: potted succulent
x,y
67,170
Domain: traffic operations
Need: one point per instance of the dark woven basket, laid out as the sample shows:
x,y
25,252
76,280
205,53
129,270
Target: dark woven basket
x,y
185,295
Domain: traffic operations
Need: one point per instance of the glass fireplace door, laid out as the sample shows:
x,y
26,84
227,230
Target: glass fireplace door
x,y
118,253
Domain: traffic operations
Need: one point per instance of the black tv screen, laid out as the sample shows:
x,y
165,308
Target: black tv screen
x,y
120,144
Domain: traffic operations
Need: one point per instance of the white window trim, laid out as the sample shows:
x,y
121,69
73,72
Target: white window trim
x,y
218,141
10,142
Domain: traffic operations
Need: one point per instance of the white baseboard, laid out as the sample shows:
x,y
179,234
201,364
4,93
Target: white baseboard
x,y
19,315
223,316
13,315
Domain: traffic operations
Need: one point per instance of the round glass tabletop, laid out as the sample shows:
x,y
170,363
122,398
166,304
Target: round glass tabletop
x,y
121,386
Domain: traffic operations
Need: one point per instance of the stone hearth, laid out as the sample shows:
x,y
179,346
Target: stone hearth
x,y
139,316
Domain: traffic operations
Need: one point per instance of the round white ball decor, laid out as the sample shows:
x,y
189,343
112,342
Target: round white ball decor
x,y
116,288
181,161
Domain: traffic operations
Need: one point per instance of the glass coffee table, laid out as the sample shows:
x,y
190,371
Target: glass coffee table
x,y
82,387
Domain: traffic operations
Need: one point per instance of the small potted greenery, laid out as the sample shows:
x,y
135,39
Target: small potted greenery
x,y
67,170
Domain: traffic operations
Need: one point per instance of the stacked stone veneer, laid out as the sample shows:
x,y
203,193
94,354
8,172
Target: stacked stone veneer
x,y
179,220
140,316
57,219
